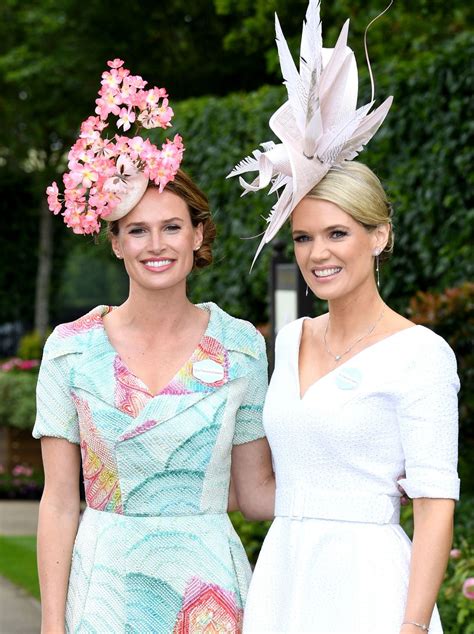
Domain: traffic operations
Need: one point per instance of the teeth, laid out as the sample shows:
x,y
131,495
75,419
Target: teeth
x,y
327,272
158,263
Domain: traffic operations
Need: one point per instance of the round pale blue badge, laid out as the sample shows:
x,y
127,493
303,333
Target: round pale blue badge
x,y
348,378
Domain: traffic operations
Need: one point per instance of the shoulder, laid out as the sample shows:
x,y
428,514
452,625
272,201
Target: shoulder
x,y
288,338
427,345
427,356
234,334
74,336
291,332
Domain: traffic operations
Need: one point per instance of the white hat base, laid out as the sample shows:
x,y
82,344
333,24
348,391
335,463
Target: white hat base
x,y
135,188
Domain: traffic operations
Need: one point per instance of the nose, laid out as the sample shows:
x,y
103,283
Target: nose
x,y
319,250
156,243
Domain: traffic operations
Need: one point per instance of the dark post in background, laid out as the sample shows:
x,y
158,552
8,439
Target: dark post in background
x,y
288,299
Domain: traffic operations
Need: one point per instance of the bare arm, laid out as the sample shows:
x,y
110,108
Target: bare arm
x,y
232,504
57,528
432,541
253,479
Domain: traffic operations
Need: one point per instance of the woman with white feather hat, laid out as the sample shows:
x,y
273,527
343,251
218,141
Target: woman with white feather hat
x,y
359,395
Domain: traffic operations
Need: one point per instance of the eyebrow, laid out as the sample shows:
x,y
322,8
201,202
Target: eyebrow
x,y
330,228
145,224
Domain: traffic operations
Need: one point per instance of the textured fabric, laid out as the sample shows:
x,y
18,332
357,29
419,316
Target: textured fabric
x,y
155,550
335,560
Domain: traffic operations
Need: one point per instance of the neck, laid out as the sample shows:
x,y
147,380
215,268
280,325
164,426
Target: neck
x,y
351,315
156,311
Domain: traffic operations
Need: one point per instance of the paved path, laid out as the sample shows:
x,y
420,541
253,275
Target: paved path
x,y
19,612
18,517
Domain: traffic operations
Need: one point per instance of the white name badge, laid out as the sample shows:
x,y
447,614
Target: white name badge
x,y
208,371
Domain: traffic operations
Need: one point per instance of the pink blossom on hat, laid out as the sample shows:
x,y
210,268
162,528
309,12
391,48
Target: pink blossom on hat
x,y
108,176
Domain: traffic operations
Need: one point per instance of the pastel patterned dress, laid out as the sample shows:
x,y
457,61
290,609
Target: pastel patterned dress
x,y
155,551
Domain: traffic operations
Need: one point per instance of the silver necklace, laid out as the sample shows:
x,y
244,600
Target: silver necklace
x,y
338,357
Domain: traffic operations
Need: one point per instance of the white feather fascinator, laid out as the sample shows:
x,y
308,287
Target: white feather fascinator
x,y
319,125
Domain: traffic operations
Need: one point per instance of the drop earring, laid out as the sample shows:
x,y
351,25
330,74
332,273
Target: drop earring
x,y
377,267
307,290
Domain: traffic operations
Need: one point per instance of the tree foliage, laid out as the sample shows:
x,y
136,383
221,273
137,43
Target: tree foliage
x,y
408,27
52,55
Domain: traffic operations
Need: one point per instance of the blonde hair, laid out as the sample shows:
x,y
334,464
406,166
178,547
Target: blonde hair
x,y
356,190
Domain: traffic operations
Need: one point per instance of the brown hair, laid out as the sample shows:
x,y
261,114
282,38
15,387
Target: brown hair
x,y
198,206
357,190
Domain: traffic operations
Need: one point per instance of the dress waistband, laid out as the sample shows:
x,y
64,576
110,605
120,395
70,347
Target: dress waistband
x,y
301,502
162,517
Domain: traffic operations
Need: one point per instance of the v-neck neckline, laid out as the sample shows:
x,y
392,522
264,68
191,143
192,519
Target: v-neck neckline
x,y
142,385
339,366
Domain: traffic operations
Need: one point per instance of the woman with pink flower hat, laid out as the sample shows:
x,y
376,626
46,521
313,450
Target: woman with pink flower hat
x,y
159,397
359,395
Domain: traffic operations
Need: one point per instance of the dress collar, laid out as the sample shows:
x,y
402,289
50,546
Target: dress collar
x,y
234,334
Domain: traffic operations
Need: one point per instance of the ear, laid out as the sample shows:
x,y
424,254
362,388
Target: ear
x,y
116,248
380,237
198,236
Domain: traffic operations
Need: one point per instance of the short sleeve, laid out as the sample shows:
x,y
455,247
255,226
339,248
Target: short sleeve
x,y
428,419
248,423
56,413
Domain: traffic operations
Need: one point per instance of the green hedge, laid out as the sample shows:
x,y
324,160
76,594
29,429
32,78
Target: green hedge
x,y
17,399
217,133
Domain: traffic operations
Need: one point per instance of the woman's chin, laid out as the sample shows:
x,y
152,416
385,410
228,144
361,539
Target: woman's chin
x,y
325,294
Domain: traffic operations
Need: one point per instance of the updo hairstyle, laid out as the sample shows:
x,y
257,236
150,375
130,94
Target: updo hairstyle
x,y
356,190
198,206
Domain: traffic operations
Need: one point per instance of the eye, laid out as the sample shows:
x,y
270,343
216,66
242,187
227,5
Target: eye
x,y
137,231
301,238
172,228
338,233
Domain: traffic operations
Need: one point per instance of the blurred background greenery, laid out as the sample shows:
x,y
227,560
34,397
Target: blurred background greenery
x,y
218,61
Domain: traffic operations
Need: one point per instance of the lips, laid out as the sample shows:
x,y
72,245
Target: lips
x,y
157,264
327,272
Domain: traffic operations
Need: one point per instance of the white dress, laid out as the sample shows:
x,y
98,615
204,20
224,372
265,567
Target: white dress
x,y
335,560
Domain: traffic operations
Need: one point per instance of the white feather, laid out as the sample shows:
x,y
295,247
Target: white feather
x,y
279,181
311,43
292,80
267,145
249,187
335,103
248,164
365,131
334,139
314,123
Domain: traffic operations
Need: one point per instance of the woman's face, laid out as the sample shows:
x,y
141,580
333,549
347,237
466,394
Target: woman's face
x,y
156,241
335,253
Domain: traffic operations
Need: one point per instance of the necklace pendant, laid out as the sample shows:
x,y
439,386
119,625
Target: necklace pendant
x,y
338,357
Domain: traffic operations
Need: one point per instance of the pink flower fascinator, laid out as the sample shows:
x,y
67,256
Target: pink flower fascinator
x,y
108,176
319,126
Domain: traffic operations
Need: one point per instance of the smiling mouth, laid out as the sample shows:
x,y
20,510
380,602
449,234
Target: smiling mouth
x,y
327,272
157,264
